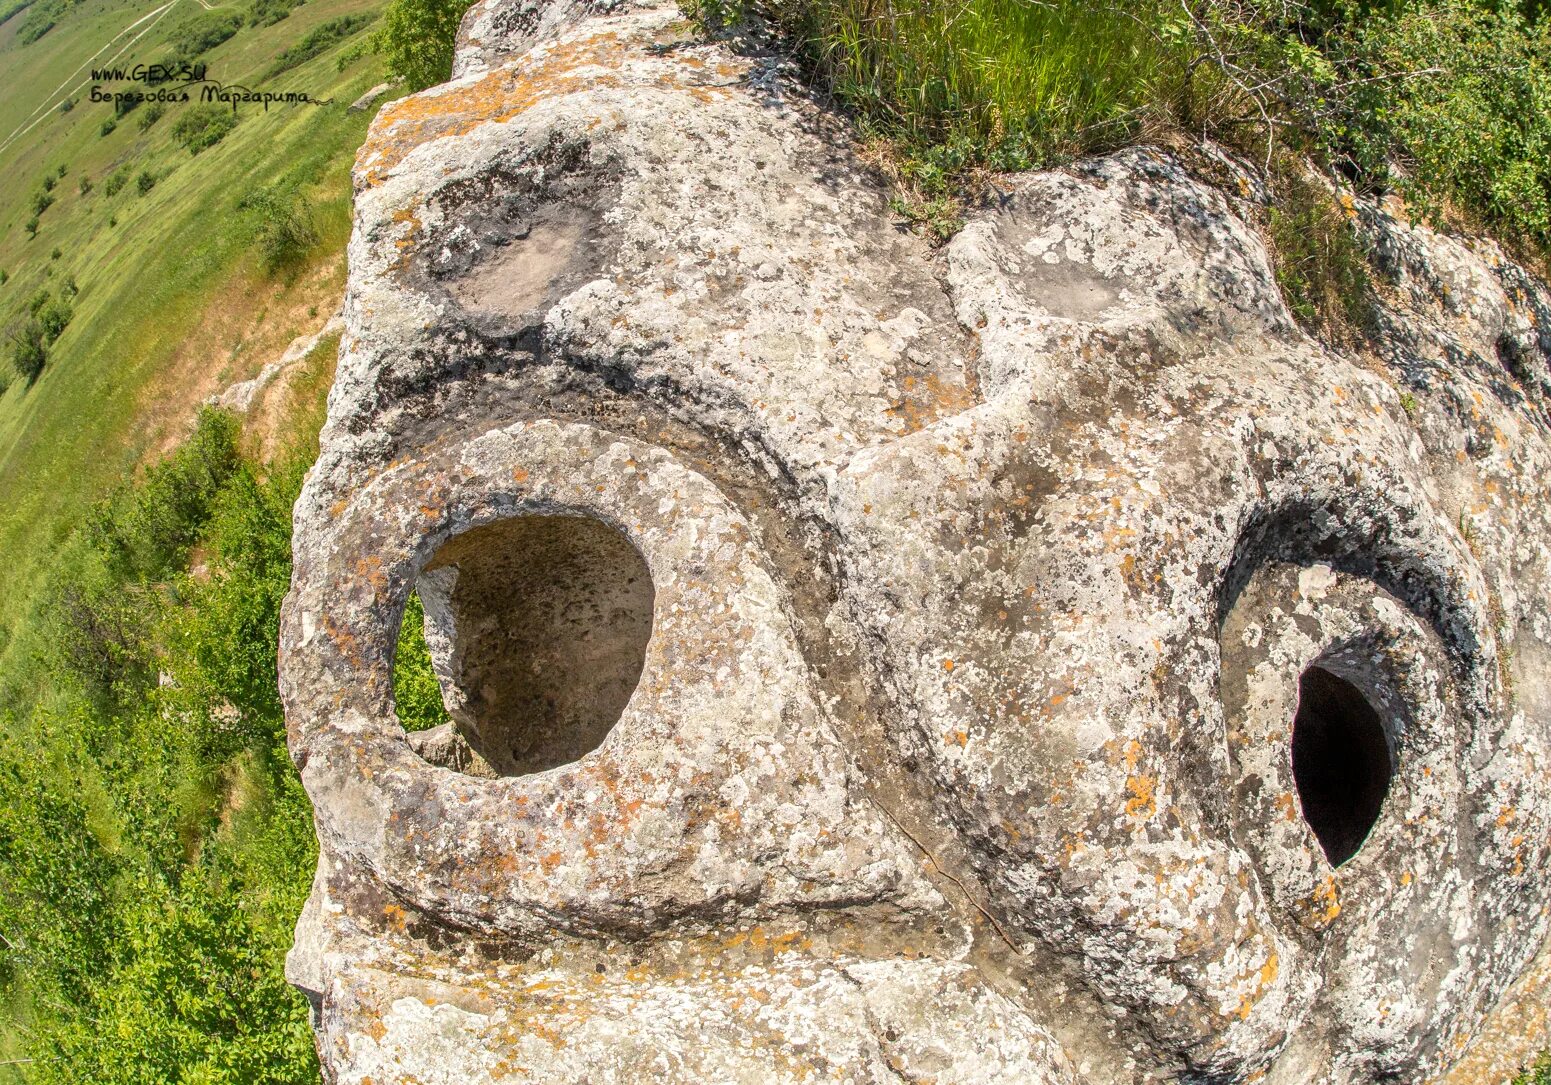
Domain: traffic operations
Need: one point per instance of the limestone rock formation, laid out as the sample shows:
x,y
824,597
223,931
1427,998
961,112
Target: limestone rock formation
x,y
1032,661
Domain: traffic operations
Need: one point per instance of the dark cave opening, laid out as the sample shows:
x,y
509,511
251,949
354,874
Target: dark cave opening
x,y
1342,763
549,618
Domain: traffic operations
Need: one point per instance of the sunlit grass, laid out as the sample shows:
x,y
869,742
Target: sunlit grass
x,y
1015,83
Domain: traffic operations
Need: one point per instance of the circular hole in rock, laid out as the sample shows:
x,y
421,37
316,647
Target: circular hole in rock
x,y
1342,764
537,629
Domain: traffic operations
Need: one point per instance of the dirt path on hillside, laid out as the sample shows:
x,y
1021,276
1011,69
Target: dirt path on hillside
x,y
232,343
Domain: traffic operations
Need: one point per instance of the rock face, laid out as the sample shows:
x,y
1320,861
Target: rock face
x,y
1031,661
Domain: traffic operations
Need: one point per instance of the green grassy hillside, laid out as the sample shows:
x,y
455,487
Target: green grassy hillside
x,y
154,843
174,299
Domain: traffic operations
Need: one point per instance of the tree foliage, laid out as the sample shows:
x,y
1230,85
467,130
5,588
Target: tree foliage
x,y
417,39
156,845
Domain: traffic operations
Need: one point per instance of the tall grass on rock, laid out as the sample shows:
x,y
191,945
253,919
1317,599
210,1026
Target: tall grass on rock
x,y
1446,102
1007,83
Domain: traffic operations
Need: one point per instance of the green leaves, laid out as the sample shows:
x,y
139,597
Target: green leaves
x,y
200,127
416,693
155,843
417,38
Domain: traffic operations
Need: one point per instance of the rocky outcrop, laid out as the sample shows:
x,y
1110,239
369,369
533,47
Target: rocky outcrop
x,y
1035,660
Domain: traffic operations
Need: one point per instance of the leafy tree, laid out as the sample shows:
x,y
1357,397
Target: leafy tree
x,y
29,352
31,338
417,38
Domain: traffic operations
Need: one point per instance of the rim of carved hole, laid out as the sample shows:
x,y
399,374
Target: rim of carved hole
x,y
1343,762
537,627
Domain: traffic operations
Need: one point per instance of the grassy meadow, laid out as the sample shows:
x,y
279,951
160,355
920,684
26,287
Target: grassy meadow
x,y
174,299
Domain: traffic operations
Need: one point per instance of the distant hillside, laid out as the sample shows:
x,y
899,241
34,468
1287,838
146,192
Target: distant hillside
x,y
162,251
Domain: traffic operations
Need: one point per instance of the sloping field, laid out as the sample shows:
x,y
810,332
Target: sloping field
x,y
175,299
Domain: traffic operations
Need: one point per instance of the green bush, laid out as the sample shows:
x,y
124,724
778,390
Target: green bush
x,y
29,351
417,39
155,842
319,39
1476,134
31,338
39,21
107,127
203,126
223,644
270,12
152,114
203,33
148,531
145,181
283,227
84,185
198,996
116,181
56,879
1538,1074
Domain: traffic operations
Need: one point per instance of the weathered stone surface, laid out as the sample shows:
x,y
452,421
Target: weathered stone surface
x,y
870,663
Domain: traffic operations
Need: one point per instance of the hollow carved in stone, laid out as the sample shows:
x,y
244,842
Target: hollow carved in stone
x,y
1032,660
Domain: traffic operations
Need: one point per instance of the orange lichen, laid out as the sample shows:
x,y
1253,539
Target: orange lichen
x,y
601,61
1141,804
1263,979
925,400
